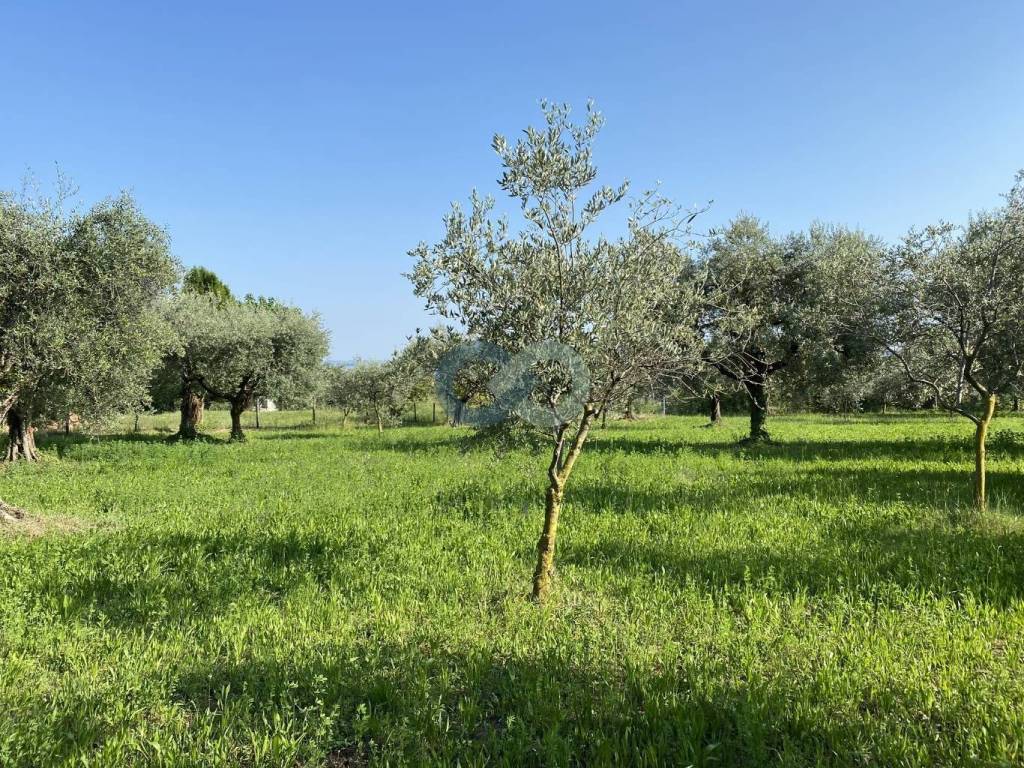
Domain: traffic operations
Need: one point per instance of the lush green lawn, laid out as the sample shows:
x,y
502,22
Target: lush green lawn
x,y
338,597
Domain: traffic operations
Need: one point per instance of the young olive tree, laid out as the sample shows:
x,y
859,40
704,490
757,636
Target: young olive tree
x,y
618,307
237,351
381,391
341,390
951,307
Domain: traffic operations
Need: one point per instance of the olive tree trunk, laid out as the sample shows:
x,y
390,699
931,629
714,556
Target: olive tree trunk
x,y
237,409
558,474
8,513
980,434
629,414
21,441
715,414
758,393
191,412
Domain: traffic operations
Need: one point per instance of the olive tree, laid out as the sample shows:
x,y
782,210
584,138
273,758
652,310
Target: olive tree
x,y
174,380
381,391
762,276
341,390
951,309
618,305
793,294
425,352
79,329
237,351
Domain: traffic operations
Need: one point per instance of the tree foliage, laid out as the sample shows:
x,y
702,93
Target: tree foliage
x,y
622,305
237,351
950,309
79,330
793,294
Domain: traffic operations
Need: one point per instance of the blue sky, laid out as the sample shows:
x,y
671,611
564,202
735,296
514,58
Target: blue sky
x,y
299,150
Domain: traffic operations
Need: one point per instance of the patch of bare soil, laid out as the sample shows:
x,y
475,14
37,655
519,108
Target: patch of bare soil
x,y
18,522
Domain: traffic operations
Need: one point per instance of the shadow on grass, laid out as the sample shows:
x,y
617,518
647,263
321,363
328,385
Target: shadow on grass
x,y
917,449
425,703
145,579
856,559
946,489
61,442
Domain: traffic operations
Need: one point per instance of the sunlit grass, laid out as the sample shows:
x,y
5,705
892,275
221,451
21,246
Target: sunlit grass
x,y
328,596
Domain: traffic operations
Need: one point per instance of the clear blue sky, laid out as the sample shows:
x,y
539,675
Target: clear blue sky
x,y
300,150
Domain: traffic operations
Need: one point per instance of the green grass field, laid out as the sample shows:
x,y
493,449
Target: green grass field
x,y
337,597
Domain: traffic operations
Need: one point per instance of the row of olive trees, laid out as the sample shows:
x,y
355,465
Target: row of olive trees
x,y
379,392
91,307
649,308
939,316
907,305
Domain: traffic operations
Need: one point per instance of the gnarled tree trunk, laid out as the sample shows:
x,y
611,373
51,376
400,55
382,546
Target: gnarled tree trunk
x,y
8,513
191,411
237,409
21,441
980,434
758,394
715,403
629,415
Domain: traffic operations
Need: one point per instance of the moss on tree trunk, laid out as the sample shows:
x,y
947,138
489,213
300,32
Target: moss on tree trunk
x,y
558,475
544,572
